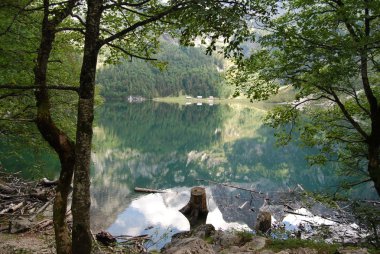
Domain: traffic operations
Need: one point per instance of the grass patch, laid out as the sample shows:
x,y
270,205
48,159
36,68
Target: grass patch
x,y
321,247
209,240
244,236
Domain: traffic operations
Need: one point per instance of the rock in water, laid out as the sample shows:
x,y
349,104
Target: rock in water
x,y
263,222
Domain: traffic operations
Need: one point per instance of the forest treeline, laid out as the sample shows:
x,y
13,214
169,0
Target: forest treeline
x,y
186,70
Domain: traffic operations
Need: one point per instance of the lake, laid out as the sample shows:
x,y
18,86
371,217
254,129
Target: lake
x,y
167,146
175,147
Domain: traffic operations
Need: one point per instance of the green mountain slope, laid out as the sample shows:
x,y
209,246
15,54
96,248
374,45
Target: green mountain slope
x,y
189,71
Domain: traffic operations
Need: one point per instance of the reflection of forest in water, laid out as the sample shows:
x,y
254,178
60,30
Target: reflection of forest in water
x,y
158,145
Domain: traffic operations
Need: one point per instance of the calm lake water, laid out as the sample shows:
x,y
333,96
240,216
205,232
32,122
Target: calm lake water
x,y
166,146
171,147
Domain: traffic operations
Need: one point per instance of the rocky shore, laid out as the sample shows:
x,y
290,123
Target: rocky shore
x,y
320,228
206,240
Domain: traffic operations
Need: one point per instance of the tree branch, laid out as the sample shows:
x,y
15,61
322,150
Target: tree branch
x,y
309,99
62,14
15,17
119,4
14,94
83,23
137,25
347,115
130,54
356,98
18,120
54,87
135,12
358,183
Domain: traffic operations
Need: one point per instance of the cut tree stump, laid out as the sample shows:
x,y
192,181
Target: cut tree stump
x,y
263,222
196,209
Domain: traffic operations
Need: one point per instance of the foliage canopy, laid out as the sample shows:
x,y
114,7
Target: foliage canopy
x,y
329,52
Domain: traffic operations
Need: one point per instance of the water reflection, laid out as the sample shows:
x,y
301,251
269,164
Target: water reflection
x,y
162,146
157,215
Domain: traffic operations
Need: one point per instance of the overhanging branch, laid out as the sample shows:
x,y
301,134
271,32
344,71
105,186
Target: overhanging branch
x,y
130,54
347,115
136,25
57,87
119,4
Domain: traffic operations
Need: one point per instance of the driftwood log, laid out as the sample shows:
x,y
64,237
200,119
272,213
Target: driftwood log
x,y
196,209
145,190
47,183
4,188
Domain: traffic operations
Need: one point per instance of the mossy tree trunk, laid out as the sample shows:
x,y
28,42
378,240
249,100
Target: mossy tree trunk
x,y
82,239
56,138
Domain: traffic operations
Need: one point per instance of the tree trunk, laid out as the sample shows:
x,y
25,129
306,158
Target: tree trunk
x,y
57,139
82,239
196,209
374,164
62,233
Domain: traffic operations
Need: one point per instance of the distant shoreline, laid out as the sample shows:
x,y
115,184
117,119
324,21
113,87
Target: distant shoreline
x,y
182,100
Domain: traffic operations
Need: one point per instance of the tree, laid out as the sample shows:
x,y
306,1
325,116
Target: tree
x,y
130,28
137,36
329,52
46,25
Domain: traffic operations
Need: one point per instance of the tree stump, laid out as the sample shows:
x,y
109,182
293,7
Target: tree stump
x,y
263,222
196,209
105,238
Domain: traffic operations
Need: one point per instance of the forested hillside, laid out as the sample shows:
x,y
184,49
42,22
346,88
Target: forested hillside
x,y
188,71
